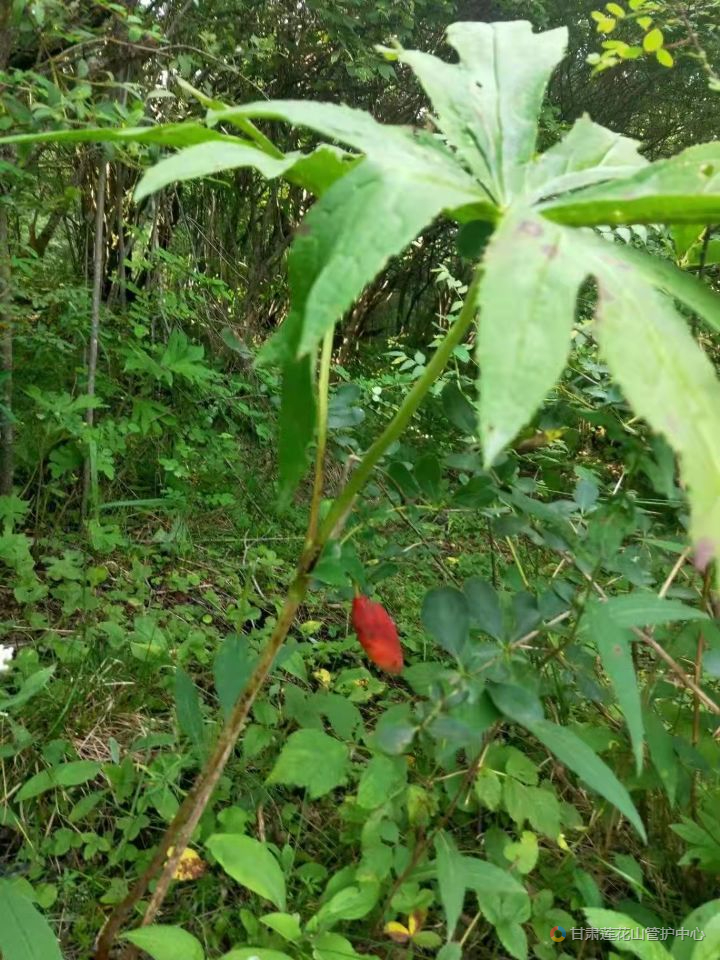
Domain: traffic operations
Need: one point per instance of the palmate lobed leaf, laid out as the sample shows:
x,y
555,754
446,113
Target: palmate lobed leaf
x,y
487,105
526,318
349,235
683,189
668,380
417,156
665,276
164,134
587,154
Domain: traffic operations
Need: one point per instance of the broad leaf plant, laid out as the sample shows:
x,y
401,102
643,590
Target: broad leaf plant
x,y
377,187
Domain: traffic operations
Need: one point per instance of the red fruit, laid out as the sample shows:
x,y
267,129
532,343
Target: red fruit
x,y
377,634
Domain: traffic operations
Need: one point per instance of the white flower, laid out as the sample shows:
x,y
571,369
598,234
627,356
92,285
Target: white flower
x,y
6,655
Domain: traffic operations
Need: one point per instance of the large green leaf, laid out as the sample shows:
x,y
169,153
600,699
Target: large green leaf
x,y
70,774
249,861
587,154
488,104
451,879
579,757
479,875
296,422
231,670
349,235
365,218
662,752
350,903
189,711
456,99
166,942
413,155
669,382
683,189
315,171
612,920
526,318
445,614
614,644
24,933
312,759
165,135
644,609
204,159
382,778
700,920
664,275
709,947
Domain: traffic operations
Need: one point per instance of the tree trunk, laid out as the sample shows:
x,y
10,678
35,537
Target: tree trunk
x,y
89,476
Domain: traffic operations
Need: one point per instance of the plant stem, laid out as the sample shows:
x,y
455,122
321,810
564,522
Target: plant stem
x,y
322,428
343,504
7,429
89,491
180,830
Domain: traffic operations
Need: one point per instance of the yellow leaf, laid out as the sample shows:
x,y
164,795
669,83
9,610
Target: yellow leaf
x,y
615,9
562,842
324,677
396,931
653,40
415,921
644,22
606,25
191,865
664,58
597,15
636,4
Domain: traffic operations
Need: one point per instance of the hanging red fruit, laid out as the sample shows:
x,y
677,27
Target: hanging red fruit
x,y
377,634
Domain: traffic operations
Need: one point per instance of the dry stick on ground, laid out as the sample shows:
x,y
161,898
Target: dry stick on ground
x,y
180,829
644,635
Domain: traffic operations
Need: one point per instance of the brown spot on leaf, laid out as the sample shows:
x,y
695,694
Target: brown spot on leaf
x,y
704,553
617,264
604,296
550,250
530,228
674,426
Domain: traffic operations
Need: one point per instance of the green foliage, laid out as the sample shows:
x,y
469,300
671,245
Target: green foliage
x,y
485,795
165,943
24,933
251,864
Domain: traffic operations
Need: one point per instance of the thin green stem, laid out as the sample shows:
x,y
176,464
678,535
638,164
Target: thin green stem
x,y
343,504
322,428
